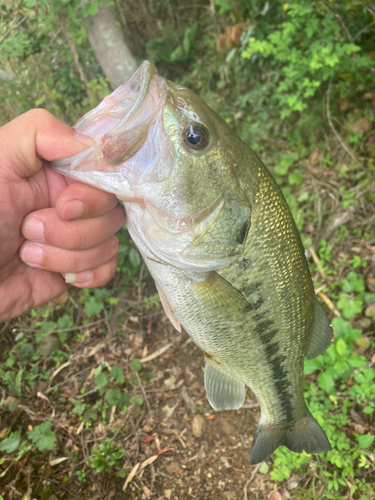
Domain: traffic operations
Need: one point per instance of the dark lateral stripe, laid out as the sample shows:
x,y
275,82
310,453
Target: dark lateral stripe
x,y
267,332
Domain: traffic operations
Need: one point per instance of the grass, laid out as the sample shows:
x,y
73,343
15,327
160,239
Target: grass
x,y
75,388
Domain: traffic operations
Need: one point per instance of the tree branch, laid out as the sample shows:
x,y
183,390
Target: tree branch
x,y
338,136
77,64
12,29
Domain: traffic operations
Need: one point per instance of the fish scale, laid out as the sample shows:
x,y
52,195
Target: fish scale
x,y
218,238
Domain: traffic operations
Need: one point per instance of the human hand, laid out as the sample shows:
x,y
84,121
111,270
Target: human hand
x,y
52,230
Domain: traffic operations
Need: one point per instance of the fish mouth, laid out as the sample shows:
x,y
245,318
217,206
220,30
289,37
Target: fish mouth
x,y
119,125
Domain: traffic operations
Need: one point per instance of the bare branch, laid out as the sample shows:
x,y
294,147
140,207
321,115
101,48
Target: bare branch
x,y
338,136
12,29
77,64
363,30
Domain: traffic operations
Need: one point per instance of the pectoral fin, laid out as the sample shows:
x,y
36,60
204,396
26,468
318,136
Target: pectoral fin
x,y
220,297
224,392
322,336
167,309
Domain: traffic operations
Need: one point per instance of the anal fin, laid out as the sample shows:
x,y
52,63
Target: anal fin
x,y
322,336
224,392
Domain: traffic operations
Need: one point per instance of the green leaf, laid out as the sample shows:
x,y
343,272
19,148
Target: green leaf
x,y
325,381
357,361
101,380
93,307
368,410
136,364
136,400
11,443
134,258
340,347
26,349
42,436
90,415
113,396
313,364
79,408
365,441
117,374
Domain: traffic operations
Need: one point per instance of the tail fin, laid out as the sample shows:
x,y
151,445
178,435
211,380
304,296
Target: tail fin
x,y
305,435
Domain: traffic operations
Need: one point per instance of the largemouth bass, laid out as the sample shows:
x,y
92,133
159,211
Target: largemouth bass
x,y
218,238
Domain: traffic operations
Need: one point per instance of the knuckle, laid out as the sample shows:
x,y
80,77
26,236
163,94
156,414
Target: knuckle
x,y
39,115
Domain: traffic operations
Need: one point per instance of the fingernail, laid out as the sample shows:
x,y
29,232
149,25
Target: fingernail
x,y
73,209
34,230
82,277
85,139
32,254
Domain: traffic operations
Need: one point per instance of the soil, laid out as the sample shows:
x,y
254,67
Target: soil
x,y
191,452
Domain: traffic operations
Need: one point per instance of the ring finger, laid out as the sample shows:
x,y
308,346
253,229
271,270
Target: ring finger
x,y
63,261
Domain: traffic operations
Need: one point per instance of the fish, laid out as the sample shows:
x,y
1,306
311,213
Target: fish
x,y
221,244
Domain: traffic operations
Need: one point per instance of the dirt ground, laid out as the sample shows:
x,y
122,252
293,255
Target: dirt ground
x,y
176,446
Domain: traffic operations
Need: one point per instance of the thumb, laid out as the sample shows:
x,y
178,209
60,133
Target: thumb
x,y
34,136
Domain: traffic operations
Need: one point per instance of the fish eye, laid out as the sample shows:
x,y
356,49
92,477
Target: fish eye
x,y
196,136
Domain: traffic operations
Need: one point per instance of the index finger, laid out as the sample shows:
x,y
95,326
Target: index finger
x,y
34,136
81,201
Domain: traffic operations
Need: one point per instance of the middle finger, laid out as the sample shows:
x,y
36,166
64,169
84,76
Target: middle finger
x,y
44,226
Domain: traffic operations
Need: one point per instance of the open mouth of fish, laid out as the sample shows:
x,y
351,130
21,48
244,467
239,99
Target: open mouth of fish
x,y
120,125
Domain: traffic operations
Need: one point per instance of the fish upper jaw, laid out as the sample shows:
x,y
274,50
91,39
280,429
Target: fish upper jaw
x,y
121,125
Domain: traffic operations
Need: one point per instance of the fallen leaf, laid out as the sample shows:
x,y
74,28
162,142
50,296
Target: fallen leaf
x,y
293,482
170,382
197,426
147,440
130,477
367,96
146,491
361,125
164,450
174,468
343,104
370,311
314,158
168,494
363,341
3,432
155,354
61,299
211,417
188,400
149,461
274,495
58,461
169,410
42,396
232,36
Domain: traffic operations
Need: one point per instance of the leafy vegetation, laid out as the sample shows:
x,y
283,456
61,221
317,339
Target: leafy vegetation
x,y
297,86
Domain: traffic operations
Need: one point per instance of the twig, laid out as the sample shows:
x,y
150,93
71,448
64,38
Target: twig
x,y
214,15
152,478
4,327
256,468
363,30
338,137
329,303
143,390
317,262
136,438
77,64
368,8
12,29
49,45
